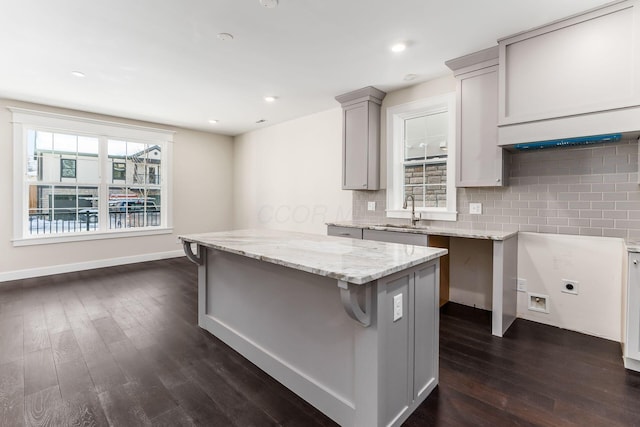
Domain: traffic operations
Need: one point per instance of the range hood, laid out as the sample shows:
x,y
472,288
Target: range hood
x,y
569,142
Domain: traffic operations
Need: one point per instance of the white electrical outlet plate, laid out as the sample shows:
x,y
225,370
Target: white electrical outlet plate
x,y
569,286
371,206
538,302
475,208
522,285
397,307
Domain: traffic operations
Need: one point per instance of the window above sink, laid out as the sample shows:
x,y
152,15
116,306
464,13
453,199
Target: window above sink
x,y
421,158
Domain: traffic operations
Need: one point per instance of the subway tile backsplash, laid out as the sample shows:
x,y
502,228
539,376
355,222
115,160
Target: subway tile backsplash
x,y
586,190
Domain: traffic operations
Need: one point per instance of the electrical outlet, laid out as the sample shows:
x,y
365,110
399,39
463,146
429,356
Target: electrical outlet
x,y
397,307
475,208
371,206
522,285
569,286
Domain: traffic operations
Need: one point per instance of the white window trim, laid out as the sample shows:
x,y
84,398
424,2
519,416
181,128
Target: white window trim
x,y
24,119
396,116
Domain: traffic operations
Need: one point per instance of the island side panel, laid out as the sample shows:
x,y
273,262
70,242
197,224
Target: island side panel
x,y
288,322
397,351
427,330
408,347
505,285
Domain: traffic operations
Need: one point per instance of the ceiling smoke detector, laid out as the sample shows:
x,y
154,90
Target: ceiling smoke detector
x,y
269,4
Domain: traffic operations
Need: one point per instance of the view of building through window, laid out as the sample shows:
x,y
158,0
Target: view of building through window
x,y
71,188
425,159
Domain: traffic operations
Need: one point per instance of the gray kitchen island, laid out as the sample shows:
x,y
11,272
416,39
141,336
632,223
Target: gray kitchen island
x,y
349,325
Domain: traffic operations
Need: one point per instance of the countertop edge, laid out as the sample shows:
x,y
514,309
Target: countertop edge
x,y
452,232
356,280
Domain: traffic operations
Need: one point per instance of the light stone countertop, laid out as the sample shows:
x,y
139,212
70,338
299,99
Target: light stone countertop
x,y
354,261
438,231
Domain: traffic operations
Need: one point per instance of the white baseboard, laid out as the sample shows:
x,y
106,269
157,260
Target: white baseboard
x,y
89,265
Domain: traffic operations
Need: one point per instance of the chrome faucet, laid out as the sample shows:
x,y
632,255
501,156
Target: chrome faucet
x,y
414,219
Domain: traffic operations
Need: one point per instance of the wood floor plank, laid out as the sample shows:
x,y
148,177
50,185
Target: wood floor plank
x,y
105,372
12,393
242,411
65,347
262,391
109,330
39,371
74,379
175,417
142,380
199,406
122,408
45,408
36,334
11,339
84,410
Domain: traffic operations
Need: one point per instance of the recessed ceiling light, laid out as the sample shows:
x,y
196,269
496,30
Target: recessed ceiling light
x,y
269,4
225,37
213,121
409,77
270,98
78,74
398,47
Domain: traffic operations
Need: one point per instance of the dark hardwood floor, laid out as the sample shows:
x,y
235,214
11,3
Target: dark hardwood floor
x,y
120,346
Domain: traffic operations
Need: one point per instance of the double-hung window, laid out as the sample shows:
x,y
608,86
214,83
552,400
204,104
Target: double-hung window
x,y
420,158
77,178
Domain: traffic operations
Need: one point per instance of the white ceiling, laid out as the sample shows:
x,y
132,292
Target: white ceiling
x,y
160,60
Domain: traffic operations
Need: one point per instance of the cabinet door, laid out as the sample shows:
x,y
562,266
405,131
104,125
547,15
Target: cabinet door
x,y
479,159
356,147
632,345
579,65
396,237
335,230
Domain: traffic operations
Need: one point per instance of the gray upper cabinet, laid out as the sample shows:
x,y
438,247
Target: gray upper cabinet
x,y
574,77
479,159
361,138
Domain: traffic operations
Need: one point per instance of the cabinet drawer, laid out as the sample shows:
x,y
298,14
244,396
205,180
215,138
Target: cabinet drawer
x,y
354,233
396,237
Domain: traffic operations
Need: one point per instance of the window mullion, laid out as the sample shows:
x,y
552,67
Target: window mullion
x,y
103,203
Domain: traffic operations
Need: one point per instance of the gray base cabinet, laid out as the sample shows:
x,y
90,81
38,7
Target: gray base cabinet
x,y
396,237
293,325
354,233
631,334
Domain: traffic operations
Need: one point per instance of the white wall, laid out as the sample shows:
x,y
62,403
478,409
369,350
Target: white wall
x,y
288,176
544,260
597,263
471,272
202,174
435,87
